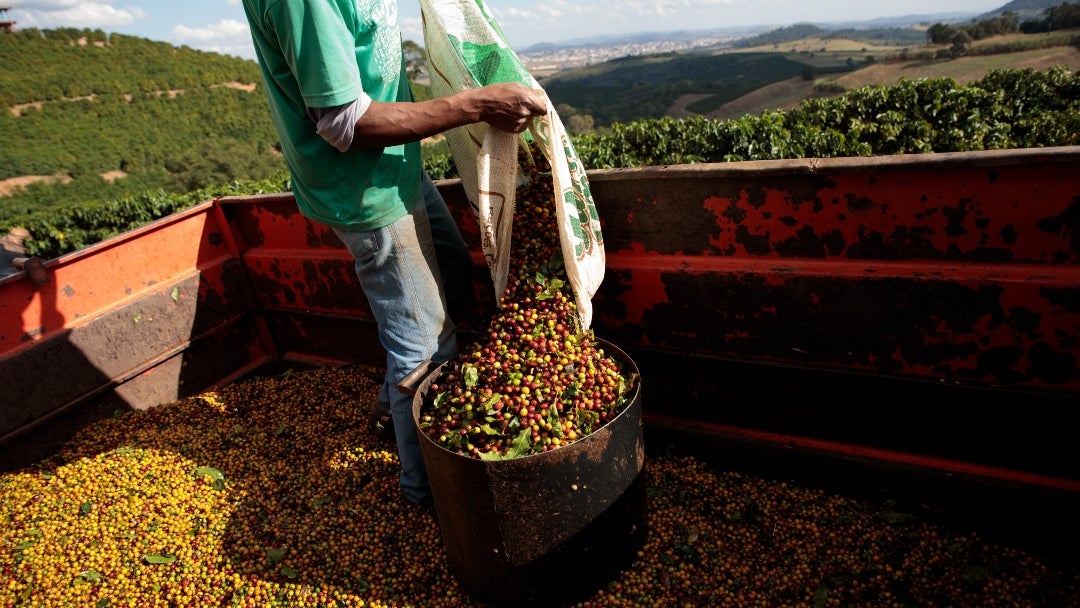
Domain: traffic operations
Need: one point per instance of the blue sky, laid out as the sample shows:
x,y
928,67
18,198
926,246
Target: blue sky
x,y
219,25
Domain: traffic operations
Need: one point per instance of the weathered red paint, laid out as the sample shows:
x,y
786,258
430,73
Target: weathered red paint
x,y
106,275
959,273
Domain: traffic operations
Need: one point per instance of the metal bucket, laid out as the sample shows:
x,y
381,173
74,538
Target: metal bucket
x,y
546,528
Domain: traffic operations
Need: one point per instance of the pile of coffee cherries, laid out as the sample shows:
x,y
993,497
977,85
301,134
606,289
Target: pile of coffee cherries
x,y
535,380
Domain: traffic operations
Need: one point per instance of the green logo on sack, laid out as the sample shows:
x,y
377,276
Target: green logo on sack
x,y
491,63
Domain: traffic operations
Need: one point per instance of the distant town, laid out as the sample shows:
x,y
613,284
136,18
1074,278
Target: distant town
x,y
542,61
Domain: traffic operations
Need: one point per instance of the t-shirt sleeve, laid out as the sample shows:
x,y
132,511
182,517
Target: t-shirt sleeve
x,y
337,125
315,40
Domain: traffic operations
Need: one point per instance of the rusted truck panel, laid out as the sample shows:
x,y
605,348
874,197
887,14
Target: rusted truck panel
x,y
940,269
132,322
913,312
905,309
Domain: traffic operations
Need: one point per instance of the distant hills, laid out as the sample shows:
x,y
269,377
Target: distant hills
x,y
802,31
1025,9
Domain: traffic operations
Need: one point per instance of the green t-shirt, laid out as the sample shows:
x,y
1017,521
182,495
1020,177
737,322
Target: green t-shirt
x,y
321,54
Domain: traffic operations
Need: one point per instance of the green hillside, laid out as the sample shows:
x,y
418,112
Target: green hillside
x,y
91,116
41,65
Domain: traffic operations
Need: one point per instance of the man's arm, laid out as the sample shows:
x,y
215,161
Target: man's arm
x,y
508,107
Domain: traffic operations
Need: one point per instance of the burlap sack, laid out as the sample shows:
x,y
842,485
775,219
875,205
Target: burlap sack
x,y
466,49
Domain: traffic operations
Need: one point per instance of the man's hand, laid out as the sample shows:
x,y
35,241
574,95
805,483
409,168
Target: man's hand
x,y
510,106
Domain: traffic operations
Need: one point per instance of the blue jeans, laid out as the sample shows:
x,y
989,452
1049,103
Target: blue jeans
x,y
402,268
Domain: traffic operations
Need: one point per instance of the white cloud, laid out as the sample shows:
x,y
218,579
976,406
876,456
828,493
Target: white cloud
x,y
550,11
228,36
412,28
222,30
509,11
64,13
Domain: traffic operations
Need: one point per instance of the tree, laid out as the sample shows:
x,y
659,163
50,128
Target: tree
x,y
1063,16
580,123
940,33
415,60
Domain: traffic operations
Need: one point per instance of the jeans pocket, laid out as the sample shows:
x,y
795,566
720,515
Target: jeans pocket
x,y
362,245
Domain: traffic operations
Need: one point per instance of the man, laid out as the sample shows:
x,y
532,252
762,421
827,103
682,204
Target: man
x,y
350,133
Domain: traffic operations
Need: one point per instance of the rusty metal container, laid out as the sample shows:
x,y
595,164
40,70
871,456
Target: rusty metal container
x,y
548,528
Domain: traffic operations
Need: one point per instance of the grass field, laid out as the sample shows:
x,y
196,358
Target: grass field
x,y
825,45
776,96
961,69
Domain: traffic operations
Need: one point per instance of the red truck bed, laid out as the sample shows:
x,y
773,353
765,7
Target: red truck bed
x,y
835,317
